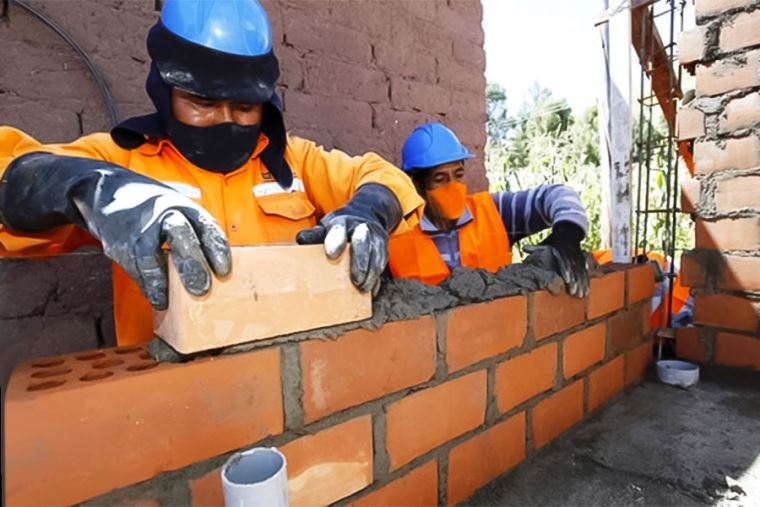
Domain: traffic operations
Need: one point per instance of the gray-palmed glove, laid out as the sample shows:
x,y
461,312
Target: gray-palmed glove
x,y
366,220
561,252
131,215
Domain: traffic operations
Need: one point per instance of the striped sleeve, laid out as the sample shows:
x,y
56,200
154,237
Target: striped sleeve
x,y
530,211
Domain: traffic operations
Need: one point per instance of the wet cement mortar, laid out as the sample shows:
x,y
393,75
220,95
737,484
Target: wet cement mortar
x,y
404,299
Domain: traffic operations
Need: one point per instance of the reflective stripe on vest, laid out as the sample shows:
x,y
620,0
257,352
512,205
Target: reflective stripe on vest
x,y
483,243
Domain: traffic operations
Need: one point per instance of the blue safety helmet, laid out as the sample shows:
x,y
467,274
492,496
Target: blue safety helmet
x,y
221,49
431,145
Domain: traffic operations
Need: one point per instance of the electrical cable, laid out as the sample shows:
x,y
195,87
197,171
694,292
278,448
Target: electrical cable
x,y
96,75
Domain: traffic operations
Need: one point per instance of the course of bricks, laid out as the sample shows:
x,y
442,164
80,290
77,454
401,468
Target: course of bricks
x,y
420,412
356,74
723,50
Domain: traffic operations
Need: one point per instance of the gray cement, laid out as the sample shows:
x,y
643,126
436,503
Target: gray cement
x,y
652,445
404,299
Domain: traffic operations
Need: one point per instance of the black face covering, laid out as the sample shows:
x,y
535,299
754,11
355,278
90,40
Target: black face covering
x,y
221,148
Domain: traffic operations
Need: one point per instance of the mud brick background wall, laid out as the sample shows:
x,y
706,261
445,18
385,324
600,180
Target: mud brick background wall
x,y
357,75
724,121
418,412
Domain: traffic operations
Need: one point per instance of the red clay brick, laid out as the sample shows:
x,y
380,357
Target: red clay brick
x,y
409,94
725,311
553,314
740,273
624,331
582,349
426,419
741,32
484,457
690,190
742,153
738,193
713,7
206,491
742,112
418,487
640,283
607,294
331,464
365,365
636,362
692,271
605,382
691,123
522,377
728,234
481,331
691,46
154,418
726,75
557,413
737,350
689,346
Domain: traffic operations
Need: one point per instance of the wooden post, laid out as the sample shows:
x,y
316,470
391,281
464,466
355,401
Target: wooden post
x,y
615,129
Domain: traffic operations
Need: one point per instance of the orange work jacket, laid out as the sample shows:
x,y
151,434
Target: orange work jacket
x,y
483,243
248,203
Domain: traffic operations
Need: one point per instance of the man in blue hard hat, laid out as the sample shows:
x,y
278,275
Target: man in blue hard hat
x,y
212,166
478,230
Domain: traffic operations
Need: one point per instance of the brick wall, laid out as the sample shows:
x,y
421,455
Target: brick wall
x,y
724,121
421,411
356,75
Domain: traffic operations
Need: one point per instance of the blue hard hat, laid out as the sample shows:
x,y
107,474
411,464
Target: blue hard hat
x,y
221,49
430,145
239,27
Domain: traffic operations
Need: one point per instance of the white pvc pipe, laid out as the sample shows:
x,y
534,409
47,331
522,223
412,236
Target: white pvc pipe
x,y
256,477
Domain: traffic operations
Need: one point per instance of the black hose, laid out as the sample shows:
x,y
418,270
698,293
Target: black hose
x,y
97,76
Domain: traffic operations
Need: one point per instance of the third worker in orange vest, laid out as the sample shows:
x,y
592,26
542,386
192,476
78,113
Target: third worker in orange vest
x,y
478,230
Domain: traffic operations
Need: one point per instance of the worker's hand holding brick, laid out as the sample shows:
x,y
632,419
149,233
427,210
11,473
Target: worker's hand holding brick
x,y
365,221
561,252
131,215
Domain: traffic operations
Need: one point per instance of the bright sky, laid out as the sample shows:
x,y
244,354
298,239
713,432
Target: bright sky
x,y
553,42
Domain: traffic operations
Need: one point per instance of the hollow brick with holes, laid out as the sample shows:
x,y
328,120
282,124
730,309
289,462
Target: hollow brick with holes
x,y
725,311
583,349
365,365
485,330
154,417
522,377
426,419
485,456
418,487
636,362
553,314
607,294
605,382
557,413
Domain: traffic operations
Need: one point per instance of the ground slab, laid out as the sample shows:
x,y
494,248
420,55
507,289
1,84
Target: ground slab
x,y
653,445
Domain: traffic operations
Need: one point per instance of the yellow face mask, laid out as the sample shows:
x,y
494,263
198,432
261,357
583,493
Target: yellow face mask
x,y
448,200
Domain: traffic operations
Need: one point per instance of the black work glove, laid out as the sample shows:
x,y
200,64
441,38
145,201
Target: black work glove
x,y
365,221
130,214
561,252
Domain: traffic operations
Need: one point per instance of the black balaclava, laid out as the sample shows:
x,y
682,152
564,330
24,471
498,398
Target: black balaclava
x,y
220,148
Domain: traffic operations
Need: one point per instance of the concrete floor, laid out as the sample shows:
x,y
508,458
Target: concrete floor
x,y
653,445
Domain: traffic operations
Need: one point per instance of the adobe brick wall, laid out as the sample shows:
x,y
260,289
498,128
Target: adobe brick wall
x,y
724,121
429,410
356,75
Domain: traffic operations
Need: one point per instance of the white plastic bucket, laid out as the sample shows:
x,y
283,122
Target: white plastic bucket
x,y
255,478
678,373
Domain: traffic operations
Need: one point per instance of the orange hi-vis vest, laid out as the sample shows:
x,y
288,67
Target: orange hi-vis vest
x,y
483,243
249,205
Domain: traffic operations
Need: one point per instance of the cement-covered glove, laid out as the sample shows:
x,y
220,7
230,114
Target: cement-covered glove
x,y
561,252
365,221
131,215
